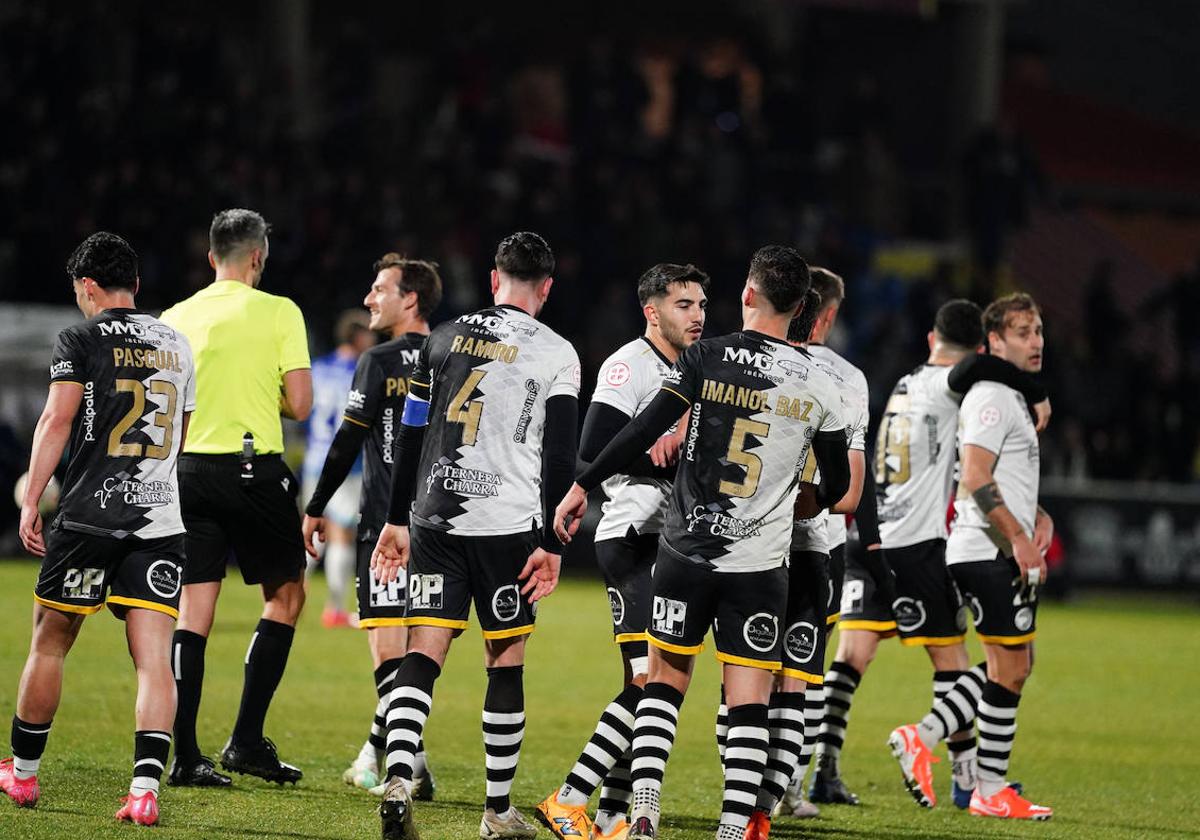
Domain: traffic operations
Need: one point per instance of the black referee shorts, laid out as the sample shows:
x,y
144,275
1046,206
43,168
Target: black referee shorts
x,y
257,519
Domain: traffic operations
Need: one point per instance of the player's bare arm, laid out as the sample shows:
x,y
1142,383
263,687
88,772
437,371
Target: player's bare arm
x,y
49,440
977,479
1043,530
858,468
296,400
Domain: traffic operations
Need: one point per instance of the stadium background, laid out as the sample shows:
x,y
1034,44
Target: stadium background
x,y
922,149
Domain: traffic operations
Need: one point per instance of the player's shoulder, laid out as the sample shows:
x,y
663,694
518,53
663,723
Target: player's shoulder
x,y
637,354
991,404
403,348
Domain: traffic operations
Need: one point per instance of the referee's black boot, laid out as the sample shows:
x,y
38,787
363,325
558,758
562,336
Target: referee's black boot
x,y
260,759
198,773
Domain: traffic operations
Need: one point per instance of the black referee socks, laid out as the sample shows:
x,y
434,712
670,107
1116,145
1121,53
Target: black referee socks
x,y
266,659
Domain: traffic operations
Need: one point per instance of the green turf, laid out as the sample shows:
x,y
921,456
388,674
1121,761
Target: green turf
x,y
1108,729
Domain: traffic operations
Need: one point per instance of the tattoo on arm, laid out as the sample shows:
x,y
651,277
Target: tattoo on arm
x,y
988,497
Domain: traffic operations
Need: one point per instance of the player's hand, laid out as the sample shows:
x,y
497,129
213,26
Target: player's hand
x,y
391,553
1043,533
31,531
665,451
1028,559
1041,413
573,507
313,526
542,570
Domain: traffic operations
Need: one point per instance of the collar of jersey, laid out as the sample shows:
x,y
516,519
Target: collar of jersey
x,y
228,285
657,352
765,337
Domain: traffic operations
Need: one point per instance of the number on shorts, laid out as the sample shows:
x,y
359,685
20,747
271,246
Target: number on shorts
x,y
163,418
465,410
737,454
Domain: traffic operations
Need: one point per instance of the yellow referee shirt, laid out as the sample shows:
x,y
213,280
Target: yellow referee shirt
x,y
243,341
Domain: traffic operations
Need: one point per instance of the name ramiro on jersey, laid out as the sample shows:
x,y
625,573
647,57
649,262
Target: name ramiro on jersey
x,y
484,349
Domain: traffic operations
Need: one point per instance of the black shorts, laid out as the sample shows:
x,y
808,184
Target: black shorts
x,y
447,571
744,609
806,630
626,563
256,518
379,604
837,576
862,608
81,573
1004,608
928,609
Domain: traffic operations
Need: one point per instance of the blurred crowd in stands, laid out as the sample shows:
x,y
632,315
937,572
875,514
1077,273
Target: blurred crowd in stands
x,y
622,152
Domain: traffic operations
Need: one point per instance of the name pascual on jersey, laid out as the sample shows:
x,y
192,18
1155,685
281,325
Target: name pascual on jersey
x,y
134,492
145,358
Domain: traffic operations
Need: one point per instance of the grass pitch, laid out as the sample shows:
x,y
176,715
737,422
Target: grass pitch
x,y
1108,729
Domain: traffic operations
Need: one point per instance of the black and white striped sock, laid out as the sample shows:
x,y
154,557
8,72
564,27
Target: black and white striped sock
x,y
610,740
503,732
616,795
385,675
961,744
955,711
28,744
785,722
745,759
997,728
150,750
722,726
653,736
840,684
411,700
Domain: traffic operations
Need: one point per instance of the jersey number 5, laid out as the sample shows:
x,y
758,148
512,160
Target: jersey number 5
x,y
737,454
117,448
465,410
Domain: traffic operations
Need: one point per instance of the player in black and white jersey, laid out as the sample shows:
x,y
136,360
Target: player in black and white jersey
x,y
122,388
486,444
403,295
913,472
673,300
996,555
758,406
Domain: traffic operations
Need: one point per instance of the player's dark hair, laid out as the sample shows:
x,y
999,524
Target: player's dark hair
x,y
657,280
781,274
525,256
420,276
106,258
1000,311
960,322
801,326
237,230
830,285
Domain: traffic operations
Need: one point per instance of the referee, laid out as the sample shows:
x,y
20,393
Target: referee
x,y
237,495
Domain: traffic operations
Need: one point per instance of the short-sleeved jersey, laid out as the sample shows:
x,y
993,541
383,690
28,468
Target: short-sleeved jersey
x,y
629,379
914,457
996,417
138,380
244,341
756,404
332,376
487,377
827,531
376,400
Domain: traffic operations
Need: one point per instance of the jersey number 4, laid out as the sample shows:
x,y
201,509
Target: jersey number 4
x,y
117,447
465,410
737,454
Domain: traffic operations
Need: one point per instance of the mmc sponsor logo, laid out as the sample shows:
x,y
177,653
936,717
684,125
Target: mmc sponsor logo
x,y
750,358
